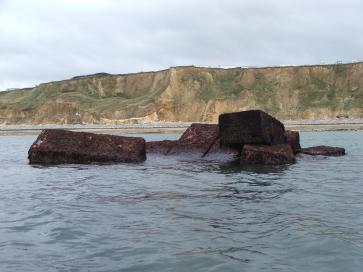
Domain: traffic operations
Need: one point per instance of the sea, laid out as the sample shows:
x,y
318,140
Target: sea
x,y
182,214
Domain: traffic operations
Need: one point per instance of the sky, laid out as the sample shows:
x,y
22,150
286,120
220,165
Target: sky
x,y
47,40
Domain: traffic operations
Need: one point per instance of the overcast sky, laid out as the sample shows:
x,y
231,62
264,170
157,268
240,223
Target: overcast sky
x,y
45,40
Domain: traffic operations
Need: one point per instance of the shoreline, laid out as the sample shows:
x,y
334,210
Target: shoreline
x,y
175,127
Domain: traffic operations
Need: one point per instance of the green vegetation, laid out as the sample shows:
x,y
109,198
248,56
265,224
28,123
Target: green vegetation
x,y
296,90
222,87
340,68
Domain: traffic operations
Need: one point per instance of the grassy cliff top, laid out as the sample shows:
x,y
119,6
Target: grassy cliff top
x,y
190,93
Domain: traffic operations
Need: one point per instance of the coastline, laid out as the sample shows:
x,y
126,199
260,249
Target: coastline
x,y
176,127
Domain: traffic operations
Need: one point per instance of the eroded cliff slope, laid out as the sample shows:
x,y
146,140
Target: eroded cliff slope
x,y
191,94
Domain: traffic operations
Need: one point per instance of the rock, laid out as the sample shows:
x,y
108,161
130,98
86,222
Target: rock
x,y
197,140
62,146
202,141
199,134
220,152
250,127
293,138
324,150
160,147
267,154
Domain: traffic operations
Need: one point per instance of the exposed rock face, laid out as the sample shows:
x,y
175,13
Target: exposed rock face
x,y
324,150
267,155
62,146
250,127
160,147
222,152
199,134
197,139
253,137
293,138
191,94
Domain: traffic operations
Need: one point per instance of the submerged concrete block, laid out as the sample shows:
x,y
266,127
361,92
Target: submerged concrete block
x,y
196,140
250,127
267,154
293,138
324,150
62,146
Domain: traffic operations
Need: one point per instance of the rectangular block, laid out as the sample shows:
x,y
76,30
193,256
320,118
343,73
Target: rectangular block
x,y
293,138
267,154
250,127
196,140
324,150
62,146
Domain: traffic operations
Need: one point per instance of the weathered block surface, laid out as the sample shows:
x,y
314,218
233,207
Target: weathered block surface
x,y
324,150
220,152
62,146
197,140
160,147
267,154
250,127
199,134
293,138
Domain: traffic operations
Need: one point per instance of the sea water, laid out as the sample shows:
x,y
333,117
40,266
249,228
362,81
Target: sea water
x,y
177,214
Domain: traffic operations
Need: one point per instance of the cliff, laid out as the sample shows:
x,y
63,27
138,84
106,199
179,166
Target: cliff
x,y
191,94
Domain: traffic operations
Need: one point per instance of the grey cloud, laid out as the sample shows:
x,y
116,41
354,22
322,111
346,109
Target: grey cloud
x,y
51,40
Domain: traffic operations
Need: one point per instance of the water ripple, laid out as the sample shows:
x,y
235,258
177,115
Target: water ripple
x,y
171,214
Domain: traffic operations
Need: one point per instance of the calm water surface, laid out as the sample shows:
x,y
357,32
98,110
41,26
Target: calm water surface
x,y
172,214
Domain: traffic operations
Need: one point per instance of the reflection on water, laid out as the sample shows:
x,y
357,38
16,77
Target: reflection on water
x,y
181,214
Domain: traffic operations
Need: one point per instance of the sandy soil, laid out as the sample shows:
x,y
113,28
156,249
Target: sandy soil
x,y
177,127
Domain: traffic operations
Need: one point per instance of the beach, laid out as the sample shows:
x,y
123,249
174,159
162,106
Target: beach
x,y
175,127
